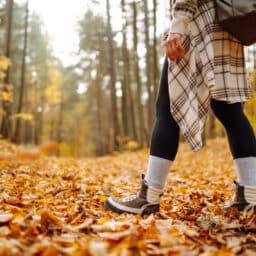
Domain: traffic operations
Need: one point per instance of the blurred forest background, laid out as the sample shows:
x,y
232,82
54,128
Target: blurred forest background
x,y
105,101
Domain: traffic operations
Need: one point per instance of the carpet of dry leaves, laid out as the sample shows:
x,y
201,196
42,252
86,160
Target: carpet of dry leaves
x,y
54,206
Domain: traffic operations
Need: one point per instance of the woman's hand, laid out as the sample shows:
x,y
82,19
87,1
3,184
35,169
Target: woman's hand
x,y
173,46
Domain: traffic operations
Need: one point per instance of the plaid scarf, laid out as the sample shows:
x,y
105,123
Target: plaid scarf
x,y
213,67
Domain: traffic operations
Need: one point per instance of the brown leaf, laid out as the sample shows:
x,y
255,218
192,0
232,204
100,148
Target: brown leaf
x,y
54,206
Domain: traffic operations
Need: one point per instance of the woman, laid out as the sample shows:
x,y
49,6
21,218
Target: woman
x,y
204,68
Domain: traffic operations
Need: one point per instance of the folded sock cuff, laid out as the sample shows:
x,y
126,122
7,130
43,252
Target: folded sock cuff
x,y
246,170
157,172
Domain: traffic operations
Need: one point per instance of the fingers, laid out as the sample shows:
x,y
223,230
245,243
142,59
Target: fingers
x,y
179,48
170,51
174,50
173,47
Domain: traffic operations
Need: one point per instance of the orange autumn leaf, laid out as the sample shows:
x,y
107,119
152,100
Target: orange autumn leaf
x,y
54,206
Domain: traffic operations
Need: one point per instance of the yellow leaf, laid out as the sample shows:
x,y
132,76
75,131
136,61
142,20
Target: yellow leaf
x,y
102,198
4,62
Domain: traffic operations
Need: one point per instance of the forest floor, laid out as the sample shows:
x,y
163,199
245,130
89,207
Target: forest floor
x,y
54,206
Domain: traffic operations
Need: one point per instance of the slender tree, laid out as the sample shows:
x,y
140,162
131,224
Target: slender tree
x,y
23,76
139,89
126,120
155,55
60,122
8,34
98,97
93,40
6,104
254,56
127,79
112,72
148,67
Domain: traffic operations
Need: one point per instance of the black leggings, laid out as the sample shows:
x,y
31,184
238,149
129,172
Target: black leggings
x,y
165,135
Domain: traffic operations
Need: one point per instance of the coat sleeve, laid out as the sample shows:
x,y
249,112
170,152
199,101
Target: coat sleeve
x,y
182,13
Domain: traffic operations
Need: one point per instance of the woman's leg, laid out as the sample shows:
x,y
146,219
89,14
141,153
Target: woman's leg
x,y
243,148
165,137
163,149
239,131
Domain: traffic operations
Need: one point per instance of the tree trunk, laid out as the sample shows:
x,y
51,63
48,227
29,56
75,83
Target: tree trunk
x,y
23,76
254,56
125,113
52,129
112,73
6,122
60,122
38,115
98,97
155,57
125,106
140,110
148,69
132,112
129,114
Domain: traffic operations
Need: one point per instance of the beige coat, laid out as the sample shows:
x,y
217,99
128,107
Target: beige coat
x,y
213,67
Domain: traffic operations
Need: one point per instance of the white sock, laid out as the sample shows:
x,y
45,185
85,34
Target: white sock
x,y
157,172
250,194
246,170
153,195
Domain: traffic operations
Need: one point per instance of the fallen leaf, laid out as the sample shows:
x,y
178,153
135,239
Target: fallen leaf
x,y
5,217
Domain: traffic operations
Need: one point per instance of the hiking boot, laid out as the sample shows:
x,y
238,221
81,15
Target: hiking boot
x,y
244,197
145,202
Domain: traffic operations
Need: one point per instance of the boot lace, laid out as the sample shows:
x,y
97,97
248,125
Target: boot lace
x,y
130,198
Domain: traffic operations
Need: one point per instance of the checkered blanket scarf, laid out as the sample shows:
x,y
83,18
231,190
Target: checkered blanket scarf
x,y
213,67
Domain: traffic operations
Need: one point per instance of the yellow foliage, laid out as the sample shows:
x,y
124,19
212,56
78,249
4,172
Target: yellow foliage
x,y
53,90
6,89
131,145
6,96
65,149
127,144
252,76
9,87
24,116
4,62
250,110
2,75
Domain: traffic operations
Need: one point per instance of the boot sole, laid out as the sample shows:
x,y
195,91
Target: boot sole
x,y
112,208
239,207
149,210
